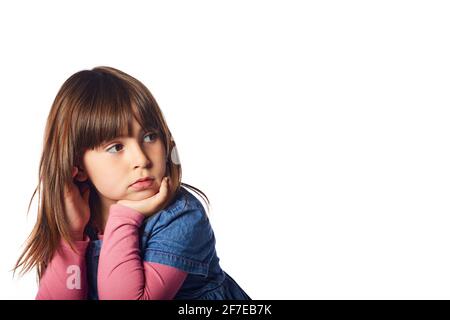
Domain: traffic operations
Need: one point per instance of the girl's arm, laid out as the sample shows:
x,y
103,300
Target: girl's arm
x,y
65,276
121,273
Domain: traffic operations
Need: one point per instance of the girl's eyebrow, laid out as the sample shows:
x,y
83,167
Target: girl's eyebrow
x,y
122,136
139,132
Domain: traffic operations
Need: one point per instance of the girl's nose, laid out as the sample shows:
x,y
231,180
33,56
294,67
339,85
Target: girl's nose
x,y
139,158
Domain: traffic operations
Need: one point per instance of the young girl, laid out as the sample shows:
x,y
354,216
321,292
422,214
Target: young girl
x,y
115,220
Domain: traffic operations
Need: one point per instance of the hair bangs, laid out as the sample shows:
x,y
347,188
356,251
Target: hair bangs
x,y
107,107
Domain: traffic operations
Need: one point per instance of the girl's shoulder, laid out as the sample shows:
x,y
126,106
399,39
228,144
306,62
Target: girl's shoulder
x,y
180,235
184,200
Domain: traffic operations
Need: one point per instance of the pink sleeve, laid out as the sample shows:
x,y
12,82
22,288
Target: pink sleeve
x,y
65,276
121,273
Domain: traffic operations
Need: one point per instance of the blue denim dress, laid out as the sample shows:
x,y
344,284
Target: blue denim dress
x,y
179,236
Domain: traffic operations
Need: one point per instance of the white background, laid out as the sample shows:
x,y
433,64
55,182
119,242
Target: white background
x,y
318,129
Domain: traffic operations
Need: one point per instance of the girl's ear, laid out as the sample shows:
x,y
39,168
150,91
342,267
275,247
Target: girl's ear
x,y
81,174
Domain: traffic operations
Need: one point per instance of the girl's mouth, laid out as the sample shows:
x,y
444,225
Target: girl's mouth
x,y
141,185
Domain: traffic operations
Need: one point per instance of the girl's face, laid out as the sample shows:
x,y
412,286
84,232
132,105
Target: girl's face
x,y
114,166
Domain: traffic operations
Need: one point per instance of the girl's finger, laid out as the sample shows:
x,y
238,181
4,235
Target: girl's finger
x,y
86,195
74,171
165,186
163,190
69,189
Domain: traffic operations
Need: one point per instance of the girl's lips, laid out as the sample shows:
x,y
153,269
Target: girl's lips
x,y
141,185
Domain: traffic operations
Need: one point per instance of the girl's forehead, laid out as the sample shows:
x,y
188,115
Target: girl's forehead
x,y
135,126
115,122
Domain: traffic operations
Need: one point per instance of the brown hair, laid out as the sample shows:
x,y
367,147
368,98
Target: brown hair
x,y
91,107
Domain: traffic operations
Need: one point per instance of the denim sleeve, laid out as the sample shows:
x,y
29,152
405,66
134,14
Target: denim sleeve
x,y
183,240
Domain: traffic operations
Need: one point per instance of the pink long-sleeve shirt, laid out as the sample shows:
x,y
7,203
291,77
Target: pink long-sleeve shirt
x,y
121,272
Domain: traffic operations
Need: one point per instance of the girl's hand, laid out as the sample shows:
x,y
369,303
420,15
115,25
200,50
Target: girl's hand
x,y
76,204
153,204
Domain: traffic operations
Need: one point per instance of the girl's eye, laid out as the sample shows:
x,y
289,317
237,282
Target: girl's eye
x,y
114,146
153,136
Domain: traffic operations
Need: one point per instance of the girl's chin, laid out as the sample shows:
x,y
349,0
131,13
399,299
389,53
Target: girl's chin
x,y
141,195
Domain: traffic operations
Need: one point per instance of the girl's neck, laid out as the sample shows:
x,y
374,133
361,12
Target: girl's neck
x,y
99,225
